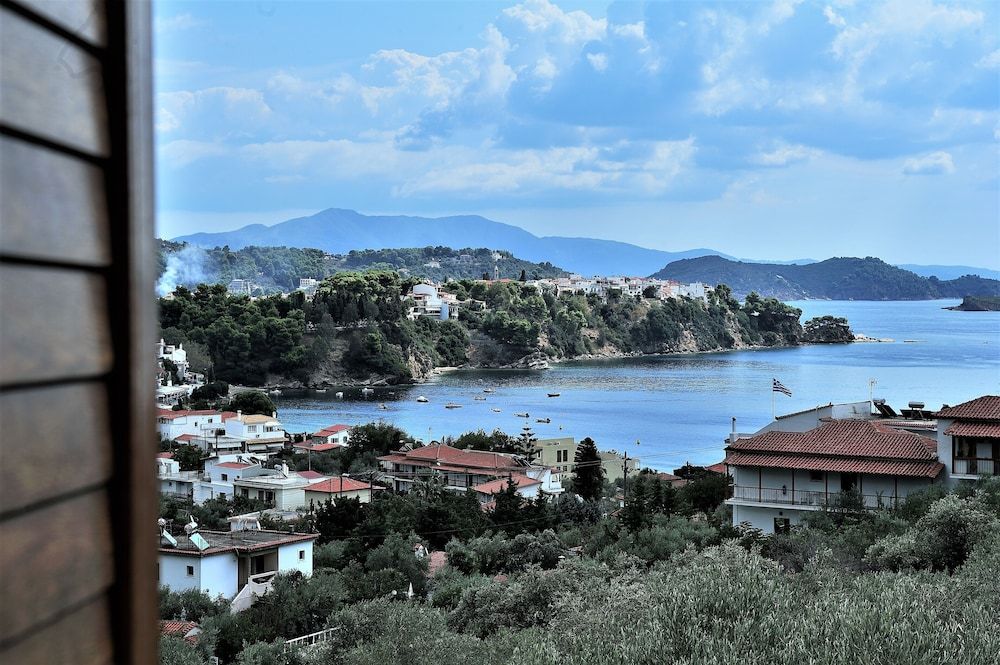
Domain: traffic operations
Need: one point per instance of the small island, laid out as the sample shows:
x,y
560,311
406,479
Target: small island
x,y
827,330
978,304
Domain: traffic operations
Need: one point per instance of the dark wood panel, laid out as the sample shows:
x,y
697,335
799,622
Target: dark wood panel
x,y
84,18
54,325
53,456
50,88
53,205
80,638
54,559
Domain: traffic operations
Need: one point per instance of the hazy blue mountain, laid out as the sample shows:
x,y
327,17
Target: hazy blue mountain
x,y
949,272
844,278
338,231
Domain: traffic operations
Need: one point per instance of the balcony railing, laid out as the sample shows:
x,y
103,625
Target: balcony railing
x,y
785,495
975,466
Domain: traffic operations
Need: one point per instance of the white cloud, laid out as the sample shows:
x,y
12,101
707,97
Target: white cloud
x,y
575,27
243,105
785,154
990,60
599,61
177,23
935,163
182,152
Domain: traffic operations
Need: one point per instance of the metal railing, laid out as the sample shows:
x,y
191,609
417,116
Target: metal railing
x,y
974,466
786,495
312,639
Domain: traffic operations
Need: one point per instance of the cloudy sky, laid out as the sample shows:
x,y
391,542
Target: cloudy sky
x,y
767,130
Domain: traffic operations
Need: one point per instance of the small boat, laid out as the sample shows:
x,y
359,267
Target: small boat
x,y
422,399
452,405
553,394
495,410
543,420
339,395
480,398
383,406
321,390
367,391
488,390
274,391
522,415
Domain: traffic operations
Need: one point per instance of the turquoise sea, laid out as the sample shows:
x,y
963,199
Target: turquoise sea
x,y
670,409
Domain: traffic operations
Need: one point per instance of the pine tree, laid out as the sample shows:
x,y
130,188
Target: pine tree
x,y
588,479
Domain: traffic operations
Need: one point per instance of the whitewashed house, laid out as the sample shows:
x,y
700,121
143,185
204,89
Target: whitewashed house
x,y
281,488
172,481
175,354
193,423
338,434
261,433
219,475
968,438
780,476
534,482
232,560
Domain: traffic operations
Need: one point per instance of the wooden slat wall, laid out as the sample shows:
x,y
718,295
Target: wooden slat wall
x,y
77,499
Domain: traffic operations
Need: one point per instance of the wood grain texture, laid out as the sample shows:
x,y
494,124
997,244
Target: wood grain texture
x,y
51,456
54,325
50,88
53,559
80,638
84,18
53,205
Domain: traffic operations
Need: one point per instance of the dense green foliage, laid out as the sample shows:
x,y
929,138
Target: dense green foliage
x,y
979,304
588,479
837,279
280,268
827,330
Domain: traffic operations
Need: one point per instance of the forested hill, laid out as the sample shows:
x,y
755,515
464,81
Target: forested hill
x,y
837,279
279,268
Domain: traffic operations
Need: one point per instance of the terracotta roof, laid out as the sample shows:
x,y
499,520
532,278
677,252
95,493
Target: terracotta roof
x,y
848,438
180,629
318,447
916,468
185,437
500,484
256,419
339,484
332,429
311,475
461,459
226,415
718,467
961,428
165,455
986,407
233,465
436,561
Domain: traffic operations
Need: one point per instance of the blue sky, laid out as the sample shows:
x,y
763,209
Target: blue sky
x,y
765,129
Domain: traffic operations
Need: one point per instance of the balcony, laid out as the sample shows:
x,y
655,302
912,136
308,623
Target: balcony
x,y
974,466
807,498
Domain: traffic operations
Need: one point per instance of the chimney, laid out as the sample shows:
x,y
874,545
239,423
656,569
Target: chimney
x,y
732,434
239,414
274,414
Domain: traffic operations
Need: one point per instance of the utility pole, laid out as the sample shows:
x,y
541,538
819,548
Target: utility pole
x,y
625,478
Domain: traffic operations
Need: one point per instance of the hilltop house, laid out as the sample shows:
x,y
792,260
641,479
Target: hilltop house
x,y
339,487
195,424
281,488
233,560
460,469
220,472
968,438
780,476
338,434
534,482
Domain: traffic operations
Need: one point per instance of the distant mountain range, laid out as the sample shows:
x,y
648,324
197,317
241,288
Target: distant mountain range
x,y
338,231
836,279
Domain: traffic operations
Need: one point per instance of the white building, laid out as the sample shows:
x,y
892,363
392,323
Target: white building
x,y
281,488
174,424
172,481
338,434
220,473
232,560
780,476
308,285
240,287
534,482
427,301
261,433
968,439
176,354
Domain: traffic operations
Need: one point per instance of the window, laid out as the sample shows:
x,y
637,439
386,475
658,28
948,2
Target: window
x,y
302,555
225,477
782,525
965,447
190,571
815,476
222,495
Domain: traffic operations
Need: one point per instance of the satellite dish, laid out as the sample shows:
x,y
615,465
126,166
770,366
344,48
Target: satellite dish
x,y
191,526
162,522
199,541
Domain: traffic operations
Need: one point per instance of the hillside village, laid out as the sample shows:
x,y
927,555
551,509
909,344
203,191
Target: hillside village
x,y
249,508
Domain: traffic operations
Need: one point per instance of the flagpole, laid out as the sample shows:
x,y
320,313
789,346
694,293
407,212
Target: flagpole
x,y
772,400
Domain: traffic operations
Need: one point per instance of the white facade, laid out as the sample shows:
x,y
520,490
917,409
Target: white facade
x,y
172,424
261,433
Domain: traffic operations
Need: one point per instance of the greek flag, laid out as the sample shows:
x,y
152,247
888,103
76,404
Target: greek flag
x,y
779,387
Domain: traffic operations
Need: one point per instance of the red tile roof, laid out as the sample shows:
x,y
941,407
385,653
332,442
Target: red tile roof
x,y
170,414
226,415
718,467
852,438
311,475
500,484
915,468
436,561
233,465
165,455
318,447
185,437
179,629
339,484
437,455
986,407
963,428
332,429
